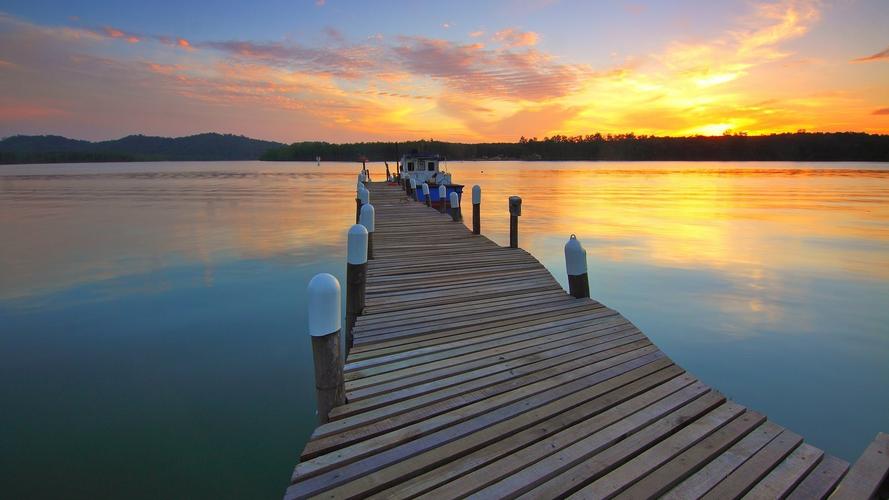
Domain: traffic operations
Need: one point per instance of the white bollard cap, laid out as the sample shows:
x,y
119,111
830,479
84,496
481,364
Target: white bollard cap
x,y
575,257
364,196
366,217
324,305
425,188
476,194
357,244
413,183
455,200
442,192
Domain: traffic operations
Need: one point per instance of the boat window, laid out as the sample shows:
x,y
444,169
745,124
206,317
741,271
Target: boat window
x,y
430,166
410,166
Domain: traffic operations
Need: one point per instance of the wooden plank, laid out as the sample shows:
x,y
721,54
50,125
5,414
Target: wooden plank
x,y
620,478
595,456
747,475
594,415
869,473
369,456
783,479
719,468
821,482
482,399
478,369
659,480
396,474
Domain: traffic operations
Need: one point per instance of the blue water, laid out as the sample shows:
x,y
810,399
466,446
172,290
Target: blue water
x,y
152,321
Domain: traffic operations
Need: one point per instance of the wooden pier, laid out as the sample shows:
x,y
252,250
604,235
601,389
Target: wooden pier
x,y
473,373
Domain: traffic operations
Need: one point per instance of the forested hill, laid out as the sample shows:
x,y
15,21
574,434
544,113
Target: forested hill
x,y
800,146
56,149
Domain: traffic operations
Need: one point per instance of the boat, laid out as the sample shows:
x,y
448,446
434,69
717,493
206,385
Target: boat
x,y
424,167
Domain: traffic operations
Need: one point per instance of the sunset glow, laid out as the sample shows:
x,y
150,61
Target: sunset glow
x,y
345,71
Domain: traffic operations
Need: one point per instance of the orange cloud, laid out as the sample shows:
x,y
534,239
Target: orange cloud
x,y
881,111
116,33
514,38
183,43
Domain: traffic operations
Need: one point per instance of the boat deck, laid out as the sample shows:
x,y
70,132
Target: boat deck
x,y
473,373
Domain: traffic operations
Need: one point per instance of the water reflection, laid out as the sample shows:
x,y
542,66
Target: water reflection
x,y
158,306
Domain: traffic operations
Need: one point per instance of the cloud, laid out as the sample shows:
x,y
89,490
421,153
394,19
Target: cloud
x,y
514,38
883,55
477,34
116,33
346,62
881,111
474,70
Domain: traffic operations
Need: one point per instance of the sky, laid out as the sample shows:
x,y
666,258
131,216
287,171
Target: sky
x,y
470,71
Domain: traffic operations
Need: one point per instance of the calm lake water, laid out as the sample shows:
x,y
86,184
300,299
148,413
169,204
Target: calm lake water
x,y
152,316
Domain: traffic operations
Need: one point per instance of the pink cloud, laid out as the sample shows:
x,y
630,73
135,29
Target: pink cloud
x,y
514,38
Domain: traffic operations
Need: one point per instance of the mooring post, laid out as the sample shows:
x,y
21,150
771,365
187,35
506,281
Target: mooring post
x,y
455,207
476,209
515,210
363,199
575,264
426,195
367,220
442,198
324,328
358,200
414,188
356,278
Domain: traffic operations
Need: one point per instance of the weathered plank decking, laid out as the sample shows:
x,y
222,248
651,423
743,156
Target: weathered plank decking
x,y
474,374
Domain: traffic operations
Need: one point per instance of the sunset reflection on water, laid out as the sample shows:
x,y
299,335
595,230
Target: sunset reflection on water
x,y
769,281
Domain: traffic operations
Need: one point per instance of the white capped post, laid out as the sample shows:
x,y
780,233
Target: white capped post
x,y
442,198
324,328
356,278
476,209
575,264
455,207
363,198
367,220
426,195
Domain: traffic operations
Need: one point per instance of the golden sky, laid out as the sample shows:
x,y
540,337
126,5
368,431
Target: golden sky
x,y
341,71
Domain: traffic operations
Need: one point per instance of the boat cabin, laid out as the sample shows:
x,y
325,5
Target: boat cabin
x,y
422,168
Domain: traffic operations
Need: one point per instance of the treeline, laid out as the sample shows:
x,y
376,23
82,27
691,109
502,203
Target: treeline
x,y
799,146
57,149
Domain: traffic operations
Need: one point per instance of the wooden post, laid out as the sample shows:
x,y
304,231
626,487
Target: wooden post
x,y
442,198
515,210
324,328
414,188
455,207
358,201
476,209
367,220
363,199
356,278
426,195
575,264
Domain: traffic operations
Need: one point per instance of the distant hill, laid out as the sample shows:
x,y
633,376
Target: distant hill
x,y
57,149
